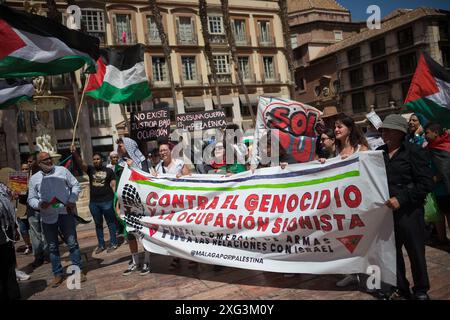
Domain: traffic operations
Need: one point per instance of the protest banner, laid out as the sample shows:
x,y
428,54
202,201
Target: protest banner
x,y
150,125
295,124
202,120
308,218
18,182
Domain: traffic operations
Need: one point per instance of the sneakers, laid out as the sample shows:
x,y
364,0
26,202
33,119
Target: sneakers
x,y
112,248
22,276
145,269
57,280
131,268
99,249
349,280
27,251
37,263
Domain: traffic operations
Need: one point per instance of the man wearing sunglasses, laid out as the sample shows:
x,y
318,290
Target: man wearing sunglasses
x,y
53,192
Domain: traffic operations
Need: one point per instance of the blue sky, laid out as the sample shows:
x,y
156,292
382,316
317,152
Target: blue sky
x,y
358,7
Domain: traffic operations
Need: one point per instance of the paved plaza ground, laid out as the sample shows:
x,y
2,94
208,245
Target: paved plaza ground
x,y
105,280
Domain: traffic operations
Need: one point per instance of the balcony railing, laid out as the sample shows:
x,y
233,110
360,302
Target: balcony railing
x,y
160,84
218,38
196,82
266,41
250,78
123,38
275,78
242,40
221,78
186,41
151,39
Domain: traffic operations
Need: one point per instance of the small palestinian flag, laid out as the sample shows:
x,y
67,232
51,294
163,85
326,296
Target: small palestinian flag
x,y
429,93
33,45
14,90
120,76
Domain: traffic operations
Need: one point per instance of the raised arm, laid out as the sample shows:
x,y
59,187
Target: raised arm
x,y
78,159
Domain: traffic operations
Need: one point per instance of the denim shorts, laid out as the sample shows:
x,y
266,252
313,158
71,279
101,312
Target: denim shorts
x,y
24,226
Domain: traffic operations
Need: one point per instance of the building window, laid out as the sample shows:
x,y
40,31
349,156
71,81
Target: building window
x,y
244,67
354,55
240,35
382,97
264,33
60,81
356,77
408,63
300,82
358,102
99,114
405,38
64,118
93,19
185,27
336,86
269,68
380,71
338,35
159,69
377,47
123,33
152,30
294,41
215,25
446,56
189,68
222,64
405,88
135,106
444,33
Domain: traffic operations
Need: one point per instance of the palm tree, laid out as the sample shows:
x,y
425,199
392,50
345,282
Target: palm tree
x,y
203,13
288,53
166,48
232,46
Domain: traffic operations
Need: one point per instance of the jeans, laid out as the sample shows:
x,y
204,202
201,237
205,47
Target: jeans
x,y
66,224
24,226
40,247
98,210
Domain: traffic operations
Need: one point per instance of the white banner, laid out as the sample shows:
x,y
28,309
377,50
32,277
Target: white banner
x,y
308,218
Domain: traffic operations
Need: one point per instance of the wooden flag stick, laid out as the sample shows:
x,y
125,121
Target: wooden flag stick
x,y
79,110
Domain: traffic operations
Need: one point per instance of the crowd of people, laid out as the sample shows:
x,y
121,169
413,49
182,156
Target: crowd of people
x,y
417,159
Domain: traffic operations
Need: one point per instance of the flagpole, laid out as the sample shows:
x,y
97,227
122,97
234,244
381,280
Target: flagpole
x,y
79,109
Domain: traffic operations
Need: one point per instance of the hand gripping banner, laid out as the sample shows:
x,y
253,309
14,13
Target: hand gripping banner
x,y
308,218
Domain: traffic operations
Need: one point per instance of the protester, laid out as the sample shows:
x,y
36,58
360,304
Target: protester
x,y
102,184
129,154
153,158
415,133
235,149
38,243
9,288
409,180
53,191
177,167
329,116
439,147
114,159
22,218
349,140
327,144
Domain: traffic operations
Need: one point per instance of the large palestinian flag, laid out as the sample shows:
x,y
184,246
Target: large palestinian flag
x,y
429,93
33,45
13,90
120,76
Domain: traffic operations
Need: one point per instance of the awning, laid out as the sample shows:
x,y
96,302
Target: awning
x,y
226,101
254,99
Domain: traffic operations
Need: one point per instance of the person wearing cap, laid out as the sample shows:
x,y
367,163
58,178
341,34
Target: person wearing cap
x,y
409,180
153,158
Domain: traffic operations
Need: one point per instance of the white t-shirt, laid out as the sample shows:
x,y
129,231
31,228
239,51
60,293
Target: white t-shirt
x,y
174,168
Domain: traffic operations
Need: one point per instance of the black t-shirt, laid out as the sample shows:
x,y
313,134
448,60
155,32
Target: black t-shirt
x,y
100,183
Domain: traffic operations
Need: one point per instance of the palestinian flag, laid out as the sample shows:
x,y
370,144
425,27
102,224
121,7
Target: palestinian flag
x,y
429,93
13,90
33,45
120,76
